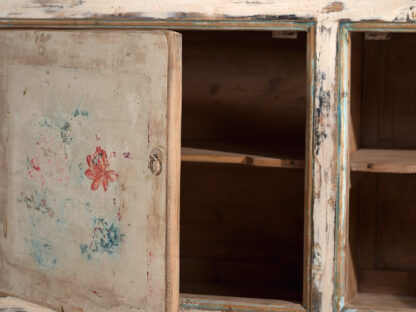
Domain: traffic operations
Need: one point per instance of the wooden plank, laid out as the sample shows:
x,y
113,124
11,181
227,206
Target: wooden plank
x,y
384,160
356,91
211,156
174,110
222,303
382,302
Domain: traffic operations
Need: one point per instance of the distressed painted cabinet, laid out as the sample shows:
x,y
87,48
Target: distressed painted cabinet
x,y
92,159
244,156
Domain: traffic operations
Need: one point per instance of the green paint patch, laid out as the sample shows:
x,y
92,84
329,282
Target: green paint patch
x,y
80,112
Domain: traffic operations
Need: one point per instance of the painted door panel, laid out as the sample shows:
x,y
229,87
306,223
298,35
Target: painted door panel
x,y
85,225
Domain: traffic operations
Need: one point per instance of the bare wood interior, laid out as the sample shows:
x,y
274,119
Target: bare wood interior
x,y
242,177
244,92
212,156
382,205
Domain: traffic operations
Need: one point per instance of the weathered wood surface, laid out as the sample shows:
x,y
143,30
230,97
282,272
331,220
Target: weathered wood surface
x,y
83,219
218,303
12,304
324,184
388,10
325,132
382,160
209,156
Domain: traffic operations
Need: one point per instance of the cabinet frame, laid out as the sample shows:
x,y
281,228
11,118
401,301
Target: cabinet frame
x,y
343,162
201,302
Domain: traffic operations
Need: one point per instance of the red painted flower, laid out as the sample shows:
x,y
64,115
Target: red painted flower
x,y
97,171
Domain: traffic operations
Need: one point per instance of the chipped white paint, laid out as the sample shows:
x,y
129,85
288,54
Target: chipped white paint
x,y
324,191
387,10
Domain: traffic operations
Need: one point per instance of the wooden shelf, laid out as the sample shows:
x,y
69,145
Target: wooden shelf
x,y
212,156
382,302
384,161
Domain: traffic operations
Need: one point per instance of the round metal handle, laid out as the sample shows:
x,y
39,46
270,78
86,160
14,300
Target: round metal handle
x,y
155,162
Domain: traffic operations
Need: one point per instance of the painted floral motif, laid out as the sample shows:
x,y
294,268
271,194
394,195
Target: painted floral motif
x,y
97,171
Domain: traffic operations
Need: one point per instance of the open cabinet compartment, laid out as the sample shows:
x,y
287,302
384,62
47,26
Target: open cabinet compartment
x,y
381,250
242,179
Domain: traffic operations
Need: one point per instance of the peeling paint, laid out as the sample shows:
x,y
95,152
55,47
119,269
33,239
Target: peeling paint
x,y
354,10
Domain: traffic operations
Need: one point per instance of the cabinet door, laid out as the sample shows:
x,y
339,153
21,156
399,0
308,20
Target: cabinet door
x,y
89,160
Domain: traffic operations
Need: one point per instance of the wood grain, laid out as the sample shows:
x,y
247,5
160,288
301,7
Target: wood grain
x,y
210,156
174,110
382,160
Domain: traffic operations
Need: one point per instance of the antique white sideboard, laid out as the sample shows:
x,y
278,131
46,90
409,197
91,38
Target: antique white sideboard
x,y
245,156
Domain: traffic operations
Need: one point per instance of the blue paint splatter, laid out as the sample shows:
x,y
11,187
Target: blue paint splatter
x,y
81,173
66,134
63,126
78,112
42,254
107,238
45,123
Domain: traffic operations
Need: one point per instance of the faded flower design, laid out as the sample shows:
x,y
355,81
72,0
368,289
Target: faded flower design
x,y
98,169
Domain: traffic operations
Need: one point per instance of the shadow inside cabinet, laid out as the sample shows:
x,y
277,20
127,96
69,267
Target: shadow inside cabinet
x,y
381,257
242,177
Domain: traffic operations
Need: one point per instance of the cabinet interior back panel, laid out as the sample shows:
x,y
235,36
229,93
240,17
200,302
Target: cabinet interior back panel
x,y
388,107
244,92
242,231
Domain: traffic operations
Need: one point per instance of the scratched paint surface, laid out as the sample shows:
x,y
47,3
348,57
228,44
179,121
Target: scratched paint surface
x,y
84,214
388,10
